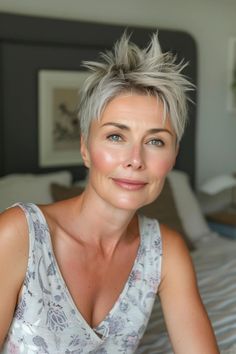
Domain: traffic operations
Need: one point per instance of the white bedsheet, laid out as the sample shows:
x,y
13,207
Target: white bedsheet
x,y
215,264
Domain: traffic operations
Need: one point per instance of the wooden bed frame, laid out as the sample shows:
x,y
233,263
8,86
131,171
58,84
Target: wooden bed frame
x,y
28,44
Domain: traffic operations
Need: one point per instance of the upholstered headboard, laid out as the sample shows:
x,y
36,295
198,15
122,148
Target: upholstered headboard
x,y
29,44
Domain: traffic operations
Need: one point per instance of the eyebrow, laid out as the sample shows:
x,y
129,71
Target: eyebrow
x,y
125,127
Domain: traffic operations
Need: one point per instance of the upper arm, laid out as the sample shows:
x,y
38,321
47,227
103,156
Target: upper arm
x,y
185,316
13,264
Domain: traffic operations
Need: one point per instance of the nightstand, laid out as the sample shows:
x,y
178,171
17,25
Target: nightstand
x,y
223,222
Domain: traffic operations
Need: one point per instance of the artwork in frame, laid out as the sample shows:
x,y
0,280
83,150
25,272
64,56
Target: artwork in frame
x,y
59,133
231,104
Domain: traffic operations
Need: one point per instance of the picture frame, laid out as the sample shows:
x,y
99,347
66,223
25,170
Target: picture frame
x,y
231,83
59,135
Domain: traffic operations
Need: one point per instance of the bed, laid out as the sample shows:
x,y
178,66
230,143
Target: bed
x,y
215,264
29,44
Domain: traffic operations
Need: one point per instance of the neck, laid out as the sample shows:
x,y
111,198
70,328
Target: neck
x,y
103,225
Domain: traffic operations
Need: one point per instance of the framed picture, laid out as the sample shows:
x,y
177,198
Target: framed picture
x,y
231,104
59,133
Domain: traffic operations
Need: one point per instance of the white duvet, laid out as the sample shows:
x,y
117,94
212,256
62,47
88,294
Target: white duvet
x,y
215,264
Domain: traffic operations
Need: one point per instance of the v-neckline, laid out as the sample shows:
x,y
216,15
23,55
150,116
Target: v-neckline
x,y
123,292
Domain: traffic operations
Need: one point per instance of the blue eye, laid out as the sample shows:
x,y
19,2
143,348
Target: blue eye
x,y
156,142
114,137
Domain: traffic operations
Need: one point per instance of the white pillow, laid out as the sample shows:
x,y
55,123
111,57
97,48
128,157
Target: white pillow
x,y
30,188
188,206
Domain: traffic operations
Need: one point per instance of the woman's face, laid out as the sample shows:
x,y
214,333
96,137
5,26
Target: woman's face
x,y
129,151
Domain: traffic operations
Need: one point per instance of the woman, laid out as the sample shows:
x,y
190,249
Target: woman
x,y
81,275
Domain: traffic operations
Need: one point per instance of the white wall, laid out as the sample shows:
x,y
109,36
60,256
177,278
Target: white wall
x,y
211,22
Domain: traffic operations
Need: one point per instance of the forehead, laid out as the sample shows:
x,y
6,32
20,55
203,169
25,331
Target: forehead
x,y
132,108
134,102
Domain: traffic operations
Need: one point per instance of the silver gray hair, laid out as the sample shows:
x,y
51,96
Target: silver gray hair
x,y
130,68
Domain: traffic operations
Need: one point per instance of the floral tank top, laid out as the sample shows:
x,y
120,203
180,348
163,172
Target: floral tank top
x,y
46,320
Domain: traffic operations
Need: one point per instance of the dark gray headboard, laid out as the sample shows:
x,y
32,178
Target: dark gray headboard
x,y
28,44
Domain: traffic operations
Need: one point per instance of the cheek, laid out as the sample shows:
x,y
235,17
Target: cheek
x,y
162,166
103,159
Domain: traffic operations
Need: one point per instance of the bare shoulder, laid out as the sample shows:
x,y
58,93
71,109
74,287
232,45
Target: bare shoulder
x,y
176,256
12,222
13,263
13,238
173,242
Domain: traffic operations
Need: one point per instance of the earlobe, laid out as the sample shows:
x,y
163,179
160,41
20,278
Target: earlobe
x,y
84,152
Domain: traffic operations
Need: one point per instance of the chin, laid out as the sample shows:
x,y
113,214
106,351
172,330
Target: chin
x,y
131,205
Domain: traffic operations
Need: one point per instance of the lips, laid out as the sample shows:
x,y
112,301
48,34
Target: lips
x,y
129,184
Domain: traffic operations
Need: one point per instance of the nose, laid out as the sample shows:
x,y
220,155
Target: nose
x,y
135,158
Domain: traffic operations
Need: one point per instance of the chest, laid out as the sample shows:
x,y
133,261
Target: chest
x,y
53,309
94,281
53,317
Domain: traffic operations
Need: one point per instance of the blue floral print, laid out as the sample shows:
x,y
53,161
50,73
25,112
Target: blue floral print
x,y
56,318
46,320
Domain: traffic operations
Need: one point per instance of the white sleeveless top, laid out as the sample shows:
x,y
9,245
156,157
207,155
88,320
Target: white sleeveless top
x,y
47,321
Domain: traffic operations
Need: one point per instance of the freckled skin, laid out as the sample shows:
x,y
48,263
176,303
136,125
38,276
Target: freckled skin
x,y
130,155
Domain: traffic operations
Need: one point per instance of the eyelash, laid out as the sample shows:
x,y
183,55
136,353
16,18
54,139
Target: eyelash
x,y
111,138
156,142
118,138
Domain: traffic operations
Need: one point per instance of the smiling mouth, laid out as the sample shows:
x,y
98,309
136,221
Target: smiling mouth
x,y
129,184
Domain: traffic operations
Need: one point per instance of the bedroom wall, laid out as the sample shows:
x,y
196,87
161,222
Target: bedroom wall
x,y
211,23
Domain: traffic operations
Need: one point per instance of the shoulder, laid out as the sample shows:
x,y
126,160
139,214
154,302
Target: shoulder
x,y
176,256
13,263
13,223
172,240
14,243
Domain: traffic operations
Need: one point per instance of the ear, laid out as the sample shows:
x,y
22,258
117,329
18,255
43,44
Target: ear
x,y
176,154
176,150
84,152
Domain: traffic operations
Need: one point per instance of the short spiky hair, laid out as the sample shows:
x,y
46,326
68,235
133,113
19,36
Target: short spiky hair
x,y
130,68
